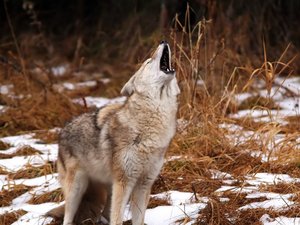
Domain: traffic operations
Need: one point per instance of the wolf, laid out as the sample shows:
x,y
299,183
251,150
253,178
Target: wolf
x,y
119,149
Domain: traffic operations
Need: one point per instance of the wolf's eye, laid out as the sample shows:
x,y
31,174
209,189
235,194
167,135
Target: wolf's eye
x,y
148,61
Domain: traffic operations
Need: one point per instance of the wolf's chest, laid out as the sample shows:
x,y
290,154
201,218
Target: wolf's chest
x,y
139,163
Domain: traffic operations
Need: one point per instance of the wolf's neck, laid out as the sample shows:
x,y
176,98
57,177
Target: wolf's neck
x,y
153,118
161,105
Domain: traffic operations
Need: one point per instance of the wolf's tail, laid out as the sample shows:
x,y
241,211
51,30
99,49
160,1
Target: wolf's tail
x,y
57,213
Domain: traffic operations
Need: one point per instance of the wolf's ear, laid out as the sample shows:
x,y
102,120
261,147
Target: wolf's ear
x,y
128,88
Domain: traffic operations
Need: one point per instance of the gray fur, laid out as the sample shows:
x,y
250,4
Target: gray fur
x,y
121,146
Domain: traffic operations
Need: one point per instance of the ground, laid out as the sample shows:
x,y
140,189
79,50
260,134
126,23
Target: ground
x,y
234,159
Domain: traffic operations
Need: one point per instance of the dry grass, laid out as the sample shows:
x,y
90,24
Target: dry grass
x,y
293,125
47,136
4,146
6,196
32,172
9,218
23,151
53,196
201,146
154,202
3,171
258,102
45,110
282,188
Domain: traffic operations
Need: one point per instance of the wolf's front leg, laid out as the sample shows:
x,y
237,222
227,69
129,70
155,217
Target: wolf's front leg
x,y
120,195
139,202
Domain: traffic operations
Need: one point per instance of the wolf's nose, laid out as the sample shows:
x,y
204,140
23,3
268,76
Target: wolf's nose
x,y
163,42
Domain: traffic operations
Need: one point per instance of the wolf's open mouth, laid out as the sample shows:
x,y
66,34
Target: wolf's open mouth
x,y
165,61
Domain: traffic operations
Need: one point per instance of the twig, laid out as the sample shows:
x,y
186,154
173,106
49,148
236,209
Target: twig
x,y
15,42
4,60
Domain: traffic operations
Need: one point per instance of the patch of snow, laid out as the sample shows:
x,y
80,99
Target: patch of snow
x,y
264,113
35,215
231,127
25,139
5,89
59,70
2,108
269,195
173,158
176,197
68,86
276,93
239,98
245,189
47,181
74,86
99,101
105,80
282,220
276,204
269,178
18,162
216,174
48,186
163,215
292,83
200,82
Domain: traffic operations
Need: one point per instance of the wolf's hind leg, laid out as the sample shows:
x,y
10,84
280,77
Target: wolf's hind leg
x,y
107,207
75,185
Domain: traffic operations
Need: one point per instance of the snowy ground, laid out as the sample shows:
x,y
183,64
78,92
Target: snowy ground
x,y
182,205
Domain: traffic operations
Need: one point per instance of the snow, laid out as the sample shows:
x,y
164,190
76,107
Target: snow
x,y
268,178
176,197
277,204
75,86
216,174
162,215
5,89
99,101
282,220
59,70
182,204
35,215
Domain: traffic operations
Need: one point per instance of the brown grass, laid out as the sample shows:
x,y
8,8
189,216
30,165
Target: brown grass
x,y
23,151
202,145
258,102
46,109
293,124
6,196
53,196
47,136
282,188
154,202
4,146
32,172
3,171
9,218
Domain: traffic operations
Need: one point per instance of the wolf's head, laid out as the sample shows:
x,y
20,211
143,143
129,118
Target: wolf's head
x,y
155,78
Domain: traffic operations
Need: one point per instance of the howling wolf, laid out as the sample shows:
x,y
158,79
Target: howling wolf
x,y
112,156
